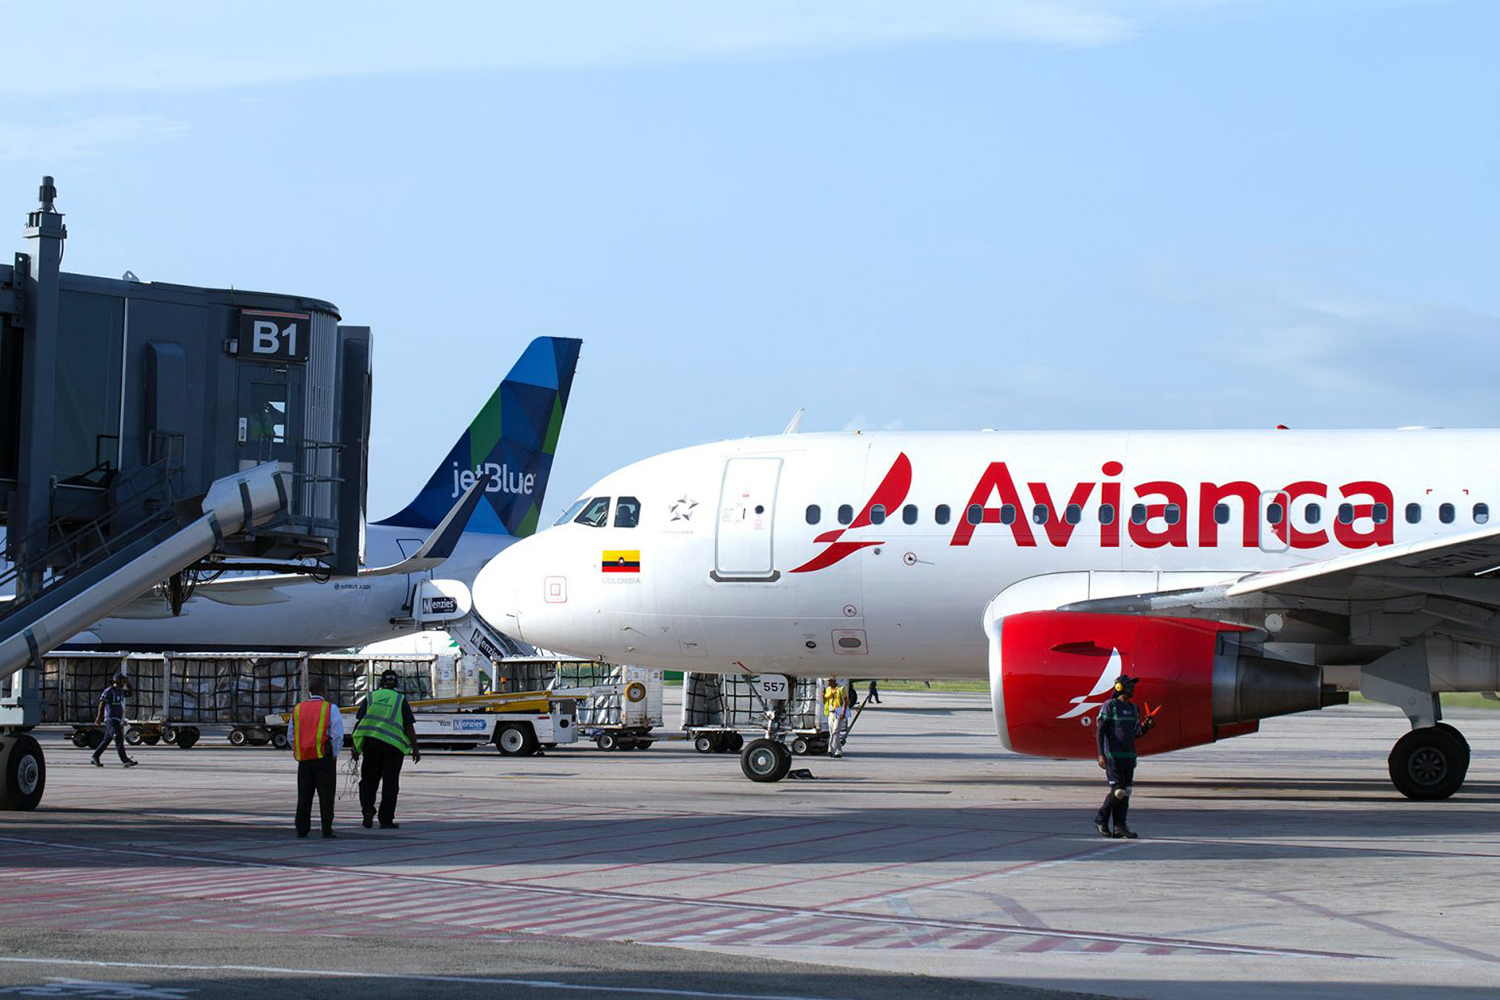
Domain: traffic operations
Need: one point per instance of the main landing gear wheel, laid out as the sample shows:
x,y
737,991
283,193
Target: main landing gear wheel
x,y
1429,763
766,760
23,773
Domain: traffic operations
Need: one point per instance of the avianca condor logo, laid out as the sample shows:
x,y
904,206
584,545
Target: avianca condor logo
x,y
1362,528
1083,703
890,494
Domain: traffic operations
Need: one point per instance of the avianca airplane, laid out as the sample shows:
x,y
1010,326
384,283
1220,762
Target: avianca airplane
x,y
1240,575
486,493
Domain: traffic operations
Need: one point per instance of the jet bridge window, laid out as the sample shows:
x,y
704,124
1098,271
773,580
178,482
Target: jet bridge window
x,y
909,514
941,513
595,513
877,514
1481,513
814,513
627,512
846,514
1446,513
1413,513
571,512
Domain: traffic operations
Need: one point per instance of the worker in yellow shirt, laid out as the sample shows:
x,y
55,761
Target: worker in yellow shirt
x,y
836,707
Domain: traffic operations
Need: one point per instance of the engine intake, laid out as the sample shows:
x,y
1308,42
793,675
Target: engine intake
x,y
1050,671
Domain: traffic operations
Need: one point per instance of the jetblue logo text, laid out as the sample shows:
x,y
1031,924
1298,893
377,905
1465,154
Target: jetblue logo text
x,y
502,480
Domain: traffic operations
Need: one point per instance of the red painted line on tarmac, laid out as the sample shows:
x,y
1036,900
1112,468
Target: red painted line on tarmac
x,y
681,926
607,917
980,941
859,939
1103,946
592,837
925,939
1041,944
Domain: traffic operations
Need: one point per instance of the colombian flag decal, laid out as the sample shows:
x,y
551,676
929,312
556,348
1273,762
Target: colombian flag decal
x,y
621,561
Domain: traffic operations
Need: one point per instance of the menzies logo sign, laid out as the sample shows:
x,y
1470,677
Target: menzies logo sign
x,y
274,336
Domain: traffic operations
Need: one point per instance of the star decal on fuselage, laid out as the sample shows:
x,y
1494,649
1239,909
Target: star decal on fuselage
x,y
682,510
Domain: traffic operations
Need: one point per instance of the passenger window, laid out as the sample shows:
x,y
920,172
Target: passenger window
x,y
846,514
814,513
1380,513
1445,513
1138,514
571,512
877,514
941,514
1007,514
1413,513
1273,513
1039,513
1481,513
1106,513
1173,513
595,513
976,513
1073,513
1346,513
1314,513
1221,513
909,514
627,512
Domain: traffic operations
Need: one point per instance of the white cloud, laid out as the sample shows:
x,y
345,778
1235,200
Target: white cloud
x,y
83,138
186,44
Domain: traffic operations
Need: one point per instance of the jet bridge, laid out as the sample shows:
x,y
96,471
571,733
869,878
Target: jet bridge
x,y
152,435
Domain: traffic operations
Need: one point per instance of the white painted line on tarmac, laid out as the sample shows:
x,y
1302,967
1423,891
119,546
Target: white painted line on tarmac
x,y
537,984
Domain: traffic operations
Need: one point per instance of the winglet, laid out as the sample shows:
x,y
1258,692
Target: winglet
x,y
439,545
795,424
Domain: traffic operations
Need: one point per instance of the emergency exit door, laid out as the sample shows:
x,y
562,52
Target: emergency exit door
x,y
744,545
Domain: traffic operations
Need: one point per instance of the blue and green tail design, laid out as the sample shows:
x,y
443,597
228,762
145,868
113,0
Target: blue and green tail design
x,y
513,438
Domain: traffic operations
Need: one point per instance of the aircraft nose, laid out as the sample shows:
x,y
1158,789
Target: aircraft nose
x,y
502,587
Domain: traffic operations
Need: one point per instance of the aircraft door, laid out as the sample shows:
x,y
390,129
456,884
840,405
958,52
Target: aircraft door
x,y
743,543
269,413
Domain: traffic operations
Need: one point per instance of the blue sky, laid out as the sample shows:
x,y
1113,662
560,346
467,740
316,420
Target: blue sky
x,y
947,215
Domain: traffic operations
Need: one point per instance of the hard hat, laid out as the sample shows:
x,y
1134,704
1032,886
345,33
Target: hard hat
x,y
390,679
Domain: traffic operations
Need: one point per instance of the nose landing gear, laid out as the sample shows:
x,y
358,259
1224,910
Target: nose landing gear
x,y
765,760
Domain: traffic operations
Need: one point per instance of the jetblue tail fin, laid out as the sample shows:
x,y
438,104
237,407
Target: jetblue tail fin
x,y
513,439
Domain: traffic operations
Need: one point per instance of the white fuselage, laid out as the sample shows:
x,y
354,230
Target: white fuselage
x,y
733,576
335,614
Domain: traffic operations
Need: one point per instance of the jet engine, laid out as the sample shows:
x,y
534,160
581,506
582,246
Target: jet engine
x,y
1200,681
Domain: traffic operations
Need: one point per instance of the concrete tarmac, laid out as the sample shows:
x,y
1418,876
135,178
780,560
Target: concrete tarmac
x,y
927,862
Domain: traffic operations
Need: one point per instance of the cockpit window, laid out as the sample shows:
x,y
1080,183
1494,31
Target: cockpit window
x,y
571,512
627,512
595,512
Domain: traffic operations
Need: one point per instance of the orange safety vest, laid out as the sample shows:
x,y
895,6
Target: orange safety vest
x,y
311,727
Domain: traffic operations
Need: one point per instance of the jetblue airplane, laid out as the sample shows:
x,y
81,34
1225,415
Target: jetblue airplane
x,y
486,493
1240,575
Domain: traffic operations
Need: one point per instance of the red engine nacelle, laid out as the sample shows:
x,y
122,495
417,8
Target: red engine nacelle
x,y
1203,679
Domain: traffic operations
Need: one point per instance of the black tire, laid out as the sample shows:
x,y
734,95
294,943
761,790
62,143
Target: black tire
x,y
1428,763
151,739
703,743
93,738
80,740
187,737
279,740
607,741
516,741
168,734
133,736
801,747
238,737
1450,730
644,744
23,773
736,742
766,760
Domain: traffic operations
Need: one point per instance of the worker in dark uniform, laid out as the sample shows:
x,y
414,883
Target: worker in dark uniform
x,y
111,715
1116,729
384,734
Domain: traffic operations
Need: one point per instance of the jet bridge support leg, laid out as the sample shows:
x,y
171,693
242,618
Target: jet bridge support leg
x,y
1432,760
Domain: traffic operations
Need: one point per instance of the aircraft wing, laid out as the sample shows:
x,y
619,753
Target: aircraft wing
x,y
261,589
1453,571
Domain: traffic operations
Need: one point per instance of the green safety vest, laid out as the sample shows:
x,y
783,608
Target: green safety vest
x,y
383,721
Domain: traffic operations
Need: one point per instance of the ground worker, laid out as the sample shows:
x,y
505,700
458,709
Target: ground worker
x,y
316,733
111,715
835,703
384,733
1118,725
